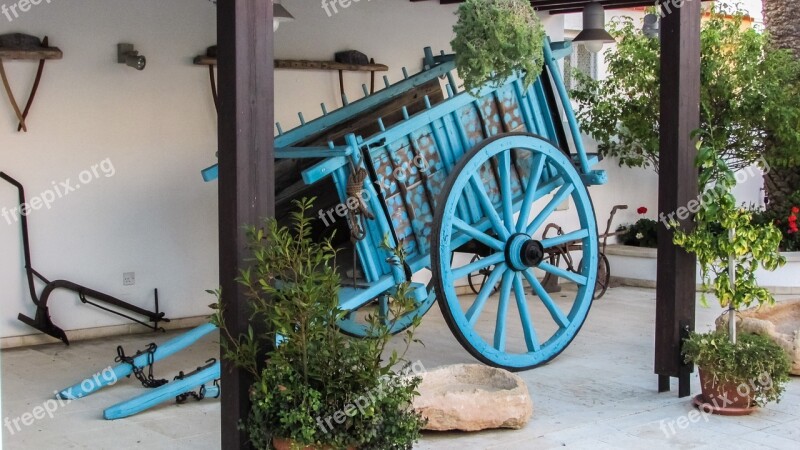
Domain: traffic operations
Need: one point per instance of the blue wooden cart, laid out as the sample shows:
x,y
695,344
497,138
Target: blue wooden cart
x,y
445,172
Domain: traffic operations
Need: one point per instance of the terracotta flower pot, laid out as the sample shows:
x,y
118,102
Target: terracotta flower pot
x,y
728,399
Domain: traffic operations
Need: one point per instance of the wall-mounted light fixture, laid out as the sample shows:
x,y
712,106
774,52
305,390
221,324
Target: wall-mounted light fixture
x,y
130,57
279,15
651,26
594,33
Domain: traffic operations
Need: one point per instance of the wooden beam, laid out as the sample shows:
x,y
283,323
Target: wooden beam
x,y
677,185
571,6
246,164
302,64
30,54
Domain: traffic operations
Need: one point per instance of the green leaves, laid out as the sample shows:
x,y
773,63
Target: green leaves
x,y
750,95
496,39
315,372
643,233
755,364
752,244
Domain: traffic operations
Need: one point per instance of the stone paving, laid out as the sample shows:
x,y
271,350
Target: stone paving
x,y
600,393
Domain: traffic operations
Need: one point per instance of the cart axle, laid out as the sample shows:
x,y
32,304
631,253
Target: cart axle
x,y
522,252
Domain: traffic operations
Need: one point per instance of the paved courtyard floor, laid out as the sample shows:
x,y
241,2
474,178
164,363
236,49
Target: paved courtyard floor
x,y
600,393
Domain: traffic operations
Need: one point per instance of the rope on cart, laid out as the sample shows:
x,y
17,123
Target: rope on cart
x,y
355,190
148,380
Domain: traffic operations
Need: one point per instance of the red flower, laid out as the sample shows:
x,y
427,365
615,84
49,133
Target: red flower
x,y
792,219
795,210
642,210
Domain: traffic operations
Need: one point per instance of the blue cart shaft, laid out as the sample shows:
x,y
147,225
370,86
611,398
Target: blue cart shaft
x,y
111,375
163,394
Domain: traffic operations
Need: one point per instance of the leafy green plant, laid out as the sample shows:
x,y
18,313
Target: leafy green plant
x,y
307,386
785,221
726,236
495,39
748,94
642,233
755,363
752,245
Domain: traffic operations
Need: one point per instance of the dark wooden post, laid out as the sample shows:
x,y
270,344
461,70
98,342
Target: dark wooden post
x,y
677,185
246,186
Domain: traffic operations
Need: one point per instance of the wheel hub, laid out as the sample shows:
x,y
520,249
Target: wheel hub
x,y
522,252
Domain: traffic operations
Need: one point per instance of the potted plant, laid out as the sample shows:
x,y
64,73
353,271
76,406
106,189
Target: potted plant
x,y
737,373
496,39
642,233
317,388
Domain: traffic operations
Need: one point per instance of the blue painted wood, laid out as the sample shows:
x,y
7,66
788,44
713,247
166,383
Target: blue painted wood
x,y
323,169
561,49
157,396
356,108
210,391
462,314
113,374
492,196
555,73
210,173
312,152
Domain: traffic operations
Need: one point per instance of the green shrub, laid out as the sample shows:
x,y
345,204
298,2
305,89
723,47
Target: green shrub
x,y
642,233
754,362
303,386
750,100
496,39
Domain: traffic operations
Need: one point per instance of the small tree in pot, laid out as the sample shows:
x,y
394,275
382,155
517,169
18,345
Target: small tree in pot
x,y
736,372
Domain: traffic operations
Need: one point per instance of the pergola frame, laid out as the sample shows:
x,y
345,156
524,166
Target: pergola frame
x,y
246,171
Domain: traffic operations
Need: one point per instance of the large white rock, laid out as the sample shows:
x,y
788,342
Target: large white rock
x,y
472,397
780,322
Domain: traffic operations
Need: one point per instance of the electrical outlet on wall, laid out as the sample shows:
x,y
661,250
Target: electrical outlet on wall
x,y
128,278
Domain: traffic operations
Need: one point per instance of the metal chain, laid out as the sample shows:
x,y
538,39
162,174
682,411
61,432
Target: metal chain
x,y
201,393
148,381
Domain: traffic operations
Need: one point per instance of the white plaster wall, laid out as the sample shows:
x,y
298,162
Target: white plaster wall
x,y
154,216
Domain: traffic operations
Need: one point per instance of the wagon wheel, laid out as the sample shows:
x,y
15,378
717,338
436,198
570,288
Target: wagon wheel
x,y
557,256
478,278
544,326
556,260
355,323
603,276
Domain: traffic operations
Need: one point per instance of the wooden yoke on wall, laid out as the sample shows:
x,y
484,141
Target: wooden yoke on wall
x,y
17,46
